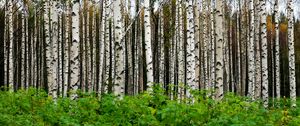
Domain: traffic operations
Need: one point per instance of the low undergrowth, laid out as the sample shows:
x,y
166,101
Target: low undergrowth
x,y
34,107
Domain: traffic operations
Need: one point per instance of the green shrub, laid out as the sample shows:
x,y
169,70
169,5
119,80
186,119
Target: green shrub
x,y
34,107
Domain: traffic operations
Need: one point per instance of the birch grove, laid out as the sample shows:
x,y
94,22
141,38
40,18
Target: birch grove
x,y
128,47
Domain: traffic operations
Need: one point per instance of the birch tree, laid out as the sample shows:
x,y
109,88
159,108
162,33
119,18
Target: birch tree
x,y
148,44
50,79
10,64
190,48
258,78
75,50
277,50
251,61
219,49
264,56
119,85
292,78
181,60
66,49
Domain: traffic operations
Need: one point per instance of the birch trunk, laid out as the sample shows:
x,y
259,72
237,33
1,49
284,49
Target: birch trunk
x,y
162,47
238,50
219,49
149,62
54,52
102,50
258,78
292,78
23,67
205,45
181,60
197,44
190,48
264,53
10,64
119,85
277,50
75,51
67,50
48,46
212,50
251,61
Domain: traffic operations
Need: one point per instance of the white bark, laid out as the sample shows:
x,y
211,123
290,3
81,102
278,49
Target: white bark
x,y
219,49
251,61
66,50
197,44
23,67
258,52
205,45
181,65
277,50
264,53
10,48
238,50
54,44
50,79
107,47
119,85
290,16
212,50
190,48
148,47
102,50
75,51
162,47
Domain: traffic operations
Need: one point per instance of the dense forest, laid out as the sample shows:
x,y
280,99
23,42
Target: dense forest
x,y
125,47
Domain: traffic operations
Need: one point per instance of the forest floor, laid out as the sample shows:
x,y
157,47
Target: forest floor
x,y
34,107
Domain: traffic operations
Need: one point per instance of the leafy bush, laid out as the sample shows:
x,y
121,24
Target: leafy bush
x,y
34,107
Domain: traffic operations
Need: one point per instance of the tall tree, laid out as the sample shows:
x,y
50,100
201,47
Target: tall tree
x,y
119,85
10,63
74,56
290,17
181,59
264,53
219,49
277,50
190,65
148,44
251,61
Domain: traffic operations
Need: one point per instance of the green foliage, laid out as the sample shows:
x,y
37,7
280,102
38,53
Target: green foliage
x,y
34,107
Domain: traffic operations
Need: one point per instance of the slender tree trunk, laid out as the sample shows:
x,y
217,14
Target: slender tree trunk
x,y
258,79
197,44
277,50
162,58
251,61
212,51
10,63
190,48
67,46
48,46
119,85
264,53
54,52
290,16
75,51
147,24
219,49
205,45
181,59
23,80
